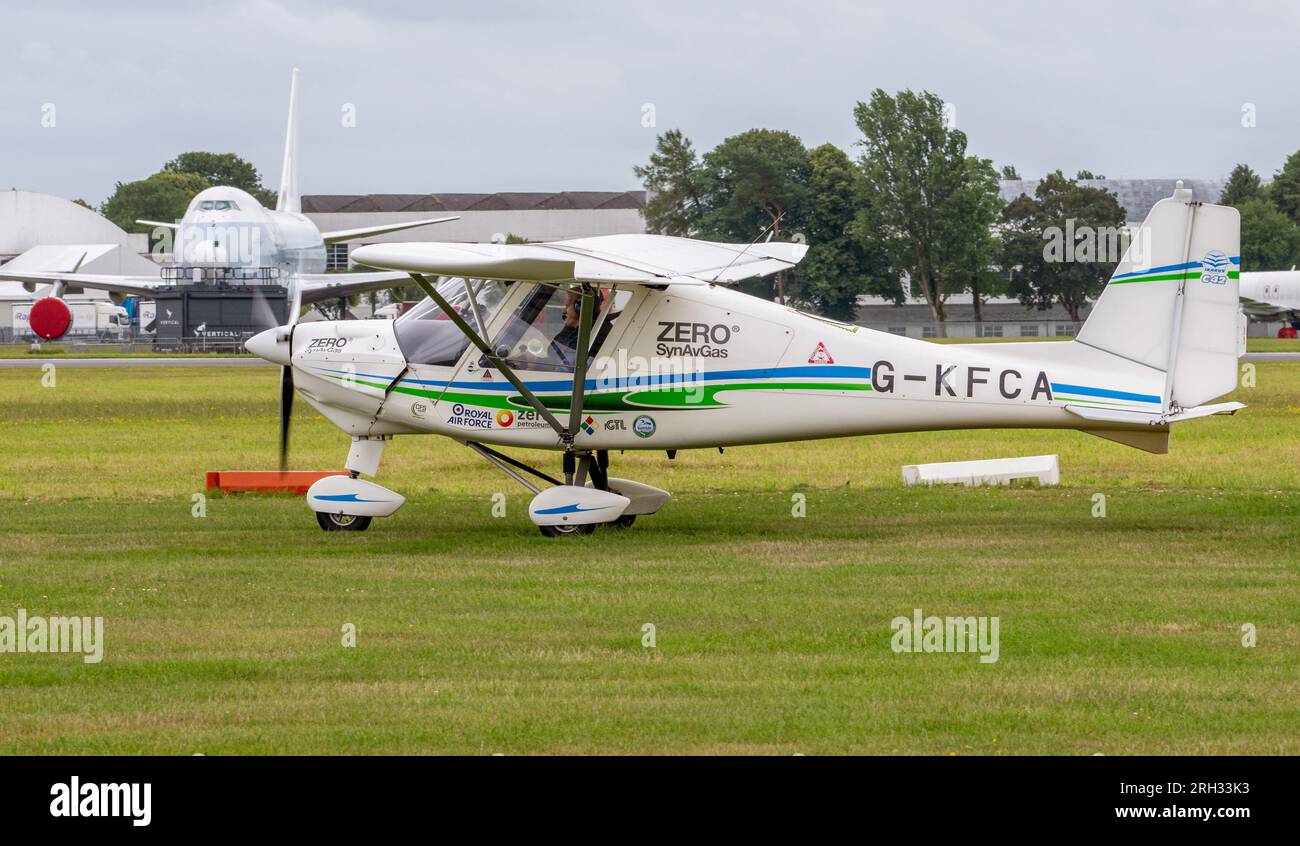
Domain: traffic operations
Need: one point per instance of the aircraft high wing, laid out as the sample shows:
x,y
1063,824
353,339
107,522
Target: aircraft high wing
x,y
607,259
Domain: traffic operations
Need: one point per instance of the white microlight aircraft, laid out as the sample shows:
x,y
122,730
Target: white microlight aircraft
x,y
672,359
226,235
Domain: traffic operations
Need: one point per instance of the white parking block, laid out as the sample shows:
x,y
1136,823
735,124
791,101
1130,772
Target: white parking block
x,y
995,471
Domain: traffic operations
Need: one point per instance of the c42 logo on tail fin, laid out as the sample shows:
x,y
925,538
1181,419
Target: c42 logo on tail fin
x,y
1214,268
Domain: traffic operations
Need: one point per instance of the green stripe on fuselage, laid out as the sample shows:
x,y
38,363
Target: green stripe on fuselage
x,y
1168,277
677,397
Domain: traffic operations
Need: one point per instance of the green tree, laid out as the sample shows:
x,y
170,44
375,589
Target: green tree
x,y
1285,190
1243,186
163,196
674,182
1269,239
924,194
755,181
969,261
1044,269
841,264
1087,174
224,169
1010,172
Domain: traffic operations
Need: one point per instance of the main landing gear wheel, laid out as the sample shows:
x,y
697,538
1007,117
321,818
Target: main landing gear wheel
x,y
342,522
623,522
567,531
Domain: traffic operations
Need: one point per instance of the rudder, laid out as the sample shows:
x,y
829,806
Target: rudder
x,y
1172,303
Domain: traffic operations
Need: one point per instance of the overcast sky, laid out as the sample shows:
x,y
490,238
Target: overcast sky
x,y
543,96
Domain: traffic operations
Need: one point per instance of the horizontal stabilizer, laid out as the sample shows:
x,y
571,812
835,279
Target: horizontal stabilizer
x,y
1206,411
1115,415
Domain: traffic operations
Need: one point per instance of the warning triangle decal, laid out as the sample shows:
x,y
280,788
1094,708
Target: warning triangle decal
x,y
820,355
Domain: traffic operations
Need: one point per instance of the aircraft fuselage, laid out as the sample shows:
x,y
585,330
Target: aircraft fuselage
x,y
705,366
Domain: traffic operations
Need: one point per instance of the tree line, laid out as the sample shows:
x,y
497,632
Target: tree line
x,y
166,195
914,203
1270,215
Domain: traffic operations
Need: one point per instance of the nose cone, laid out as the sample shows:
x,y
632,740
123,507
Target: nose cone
x,y
272,345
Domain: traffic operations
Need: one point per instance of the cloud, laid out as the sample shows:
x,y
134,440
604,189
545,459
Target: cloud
x,y
526,96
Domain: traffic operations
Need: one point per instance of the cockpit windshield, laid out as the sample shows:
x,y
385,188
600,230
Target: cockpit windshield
x,y
218,205
427,335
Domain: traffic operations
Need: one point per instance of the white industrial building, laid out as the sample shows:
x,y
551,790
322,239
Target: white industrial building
x,y
40,232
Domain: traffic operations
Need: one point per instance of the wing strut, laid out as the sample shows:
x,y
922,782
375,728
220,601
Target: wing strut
x,y
580,363
494,359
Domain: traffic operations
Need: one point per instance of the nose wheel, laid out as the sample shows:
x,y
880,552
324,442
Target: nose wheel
x,y
342,522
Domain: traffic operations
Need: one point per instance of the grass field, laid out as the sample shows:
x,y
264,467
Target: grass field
x,y
1119,634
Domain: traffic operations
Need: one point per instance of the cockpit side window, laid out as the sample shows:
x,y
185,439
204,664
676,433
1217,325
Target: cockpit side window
x,y
426,335
543,333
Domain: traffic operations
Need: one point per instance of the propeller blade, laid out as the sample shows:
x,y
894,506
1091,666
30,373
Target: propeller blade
x,y
295,303
263,316
286,411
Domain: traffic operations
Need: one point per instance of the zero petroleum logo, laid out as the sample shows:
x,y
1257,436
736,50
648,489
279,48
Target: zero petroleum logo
x,y
472,418
520,419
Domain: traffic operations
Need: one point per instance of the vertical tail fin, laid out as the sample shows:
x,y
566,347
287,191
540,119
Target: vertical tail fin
x,y
1172,303
289,200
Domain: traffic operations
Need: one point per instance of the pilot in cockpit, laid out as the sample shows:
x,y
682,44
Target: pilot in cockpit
x,y
565,343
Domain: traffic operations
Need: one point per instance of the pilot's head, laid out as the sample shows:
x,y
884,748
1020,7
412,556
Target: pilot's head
x,y
572,304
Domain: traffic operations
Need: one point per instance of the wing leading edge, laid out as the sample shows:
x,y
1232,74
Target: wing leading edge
x,y
628,259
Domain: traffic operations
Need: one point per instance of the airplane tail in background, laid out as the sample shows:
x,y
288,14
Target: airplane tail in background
x,y
1172,303
289,199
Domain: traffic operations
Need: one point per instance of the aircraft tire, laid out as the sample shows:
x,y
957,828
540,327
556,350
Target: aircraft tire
x,y
567,531
342,522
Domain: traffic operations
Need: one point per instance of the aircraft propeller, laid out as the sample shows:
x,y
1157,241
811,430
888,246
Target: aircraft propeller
x,y
266,318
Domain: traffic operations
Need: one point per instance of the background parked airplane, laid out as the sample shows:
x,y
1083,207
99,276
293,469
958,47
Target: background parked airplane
x,y
1272,295
227,236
